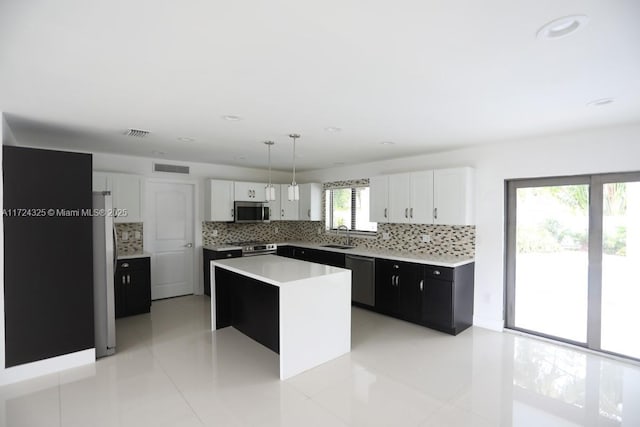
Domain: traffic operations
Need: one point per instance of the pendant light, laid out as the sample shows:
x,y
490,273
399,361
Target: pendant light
x,y
293,192
270,191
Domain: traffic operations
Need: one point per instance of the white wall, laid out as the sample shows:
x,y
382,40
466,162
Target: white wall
x,y
597,151
3,132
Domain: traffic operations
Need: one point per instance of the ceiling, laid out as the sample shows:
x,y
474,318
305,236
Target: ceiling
x,y
428,75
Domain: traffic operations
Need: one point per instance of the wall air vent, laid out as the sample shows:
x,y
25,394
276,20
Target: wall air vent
x,y
138,133
160,167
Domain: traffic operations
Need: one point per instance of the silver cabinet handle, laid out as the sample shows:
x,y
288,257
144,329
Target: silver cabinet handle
x,y
123,280
421,285
309,213
436,272
282,214
396,266
393,280
406,212
188,245
435,213
385,212
229,255
125,265
397,281
128,279
231,213
411,213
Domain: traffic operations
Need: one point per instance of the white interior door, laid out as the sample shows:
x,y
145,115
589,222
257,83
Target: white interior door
x,y
170,237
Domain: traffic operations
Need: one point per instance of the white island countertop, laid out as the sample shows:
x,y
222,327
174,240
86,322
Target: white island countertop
x,y
276,270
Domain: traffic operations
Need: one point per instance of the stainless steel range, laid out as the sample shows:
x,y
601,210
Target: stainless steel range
x,y
251,248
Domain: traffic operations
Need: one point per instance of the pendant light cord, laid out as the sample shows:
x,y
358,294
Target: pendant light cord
x,y
294,160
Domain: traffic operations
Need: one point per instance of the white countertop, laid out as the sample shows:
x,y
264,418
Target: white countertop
x,y
276,270
134,255
437,260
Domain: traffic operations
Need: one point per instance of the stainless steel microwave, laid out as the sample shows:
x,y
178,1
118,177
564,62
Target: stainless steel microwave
x,y
251,212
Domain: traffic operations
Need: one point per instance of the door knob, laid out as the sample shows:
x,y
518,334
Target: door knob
x,y
188,245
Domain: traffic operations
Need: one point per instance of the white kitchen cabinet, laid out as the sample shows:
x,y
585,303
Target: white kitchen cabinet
x,y
453,196
288,208
218,200
399,198
100,182
249,191
442,196
310,204
379,199
421,198
275,205
127,191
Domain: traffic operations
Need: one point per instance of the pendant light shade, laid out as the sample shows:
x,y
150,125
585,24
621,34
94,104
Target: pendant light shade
x,y
293,191
270,190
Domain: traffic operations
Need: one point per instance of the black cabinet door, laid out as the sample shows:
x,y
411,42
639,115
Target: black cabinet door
x,y
119,288
286,251
387,295
209,255
438,303
138,292
410,291
335,259
132,286
303,254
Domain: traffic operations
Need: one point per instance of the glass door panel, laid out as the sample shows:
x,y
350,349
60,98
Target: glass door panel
x,y
620,261
551,260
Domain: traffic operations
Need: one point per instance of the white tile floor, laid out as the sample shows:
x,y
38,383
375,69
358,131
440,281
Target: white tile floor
x,y
172,371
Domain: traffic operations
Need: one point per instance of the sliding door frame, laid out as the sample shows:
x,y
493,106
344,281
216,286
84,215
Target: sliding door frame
x,y
510,252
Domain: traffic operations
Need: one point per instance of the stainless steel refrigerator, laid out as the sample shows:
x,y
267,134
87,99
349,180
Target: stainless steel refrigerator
x,y
104,259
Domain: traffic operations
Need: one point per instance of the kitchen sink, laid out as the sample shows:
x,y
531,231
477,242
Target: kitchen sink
x,y
338,246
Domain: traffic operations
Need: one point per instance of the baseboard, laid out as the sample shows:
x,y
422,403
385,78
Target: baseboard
x,y
47,366
492,324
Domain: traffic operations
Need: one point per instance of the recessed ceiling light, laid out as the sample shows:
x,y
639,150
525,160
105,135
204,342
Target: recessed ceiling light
x,y
562,27
186,139
333,129
158,153
387,143
600,102
231,118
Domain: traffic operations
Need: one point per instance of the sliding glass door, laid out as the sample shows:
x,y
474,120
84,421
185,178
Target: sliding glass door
x,y
571,246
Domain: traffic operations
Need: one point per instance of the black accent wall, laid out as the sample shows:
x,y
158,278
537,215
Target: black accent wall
x,y
48,258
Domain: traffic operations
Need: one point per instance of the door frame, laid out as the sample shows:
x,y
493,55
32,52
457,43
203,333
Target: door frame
x,y
197,226
596,215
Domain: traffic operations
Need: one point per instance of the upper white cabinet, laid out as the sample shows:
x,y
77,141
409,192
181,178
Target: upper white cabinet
x,y
127,195
379,199
288,208
218,200
274,205
442,196
250,191
453,196
411,198
126,191
310,205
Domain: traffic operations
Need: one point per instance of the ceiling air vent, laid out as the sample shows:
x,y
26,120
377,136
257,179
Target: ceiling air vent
x,y
160,167
138,133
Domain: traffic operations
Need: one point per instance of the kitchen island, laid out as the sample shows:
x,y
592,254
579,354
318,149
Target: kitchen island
x,y
300,310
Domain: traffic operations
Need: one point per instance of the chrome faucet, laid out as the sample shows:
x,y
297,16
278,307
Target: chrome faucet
x,y
347,231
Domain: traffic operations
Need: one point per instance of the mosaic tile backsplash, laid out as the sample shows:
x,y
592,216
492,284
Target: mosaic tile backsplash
x,y
445,239
132,245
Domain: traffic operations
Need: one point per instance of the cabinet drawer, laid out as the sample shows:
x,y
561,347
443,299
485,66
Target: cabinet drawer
x,y
233,253
133,264
442,273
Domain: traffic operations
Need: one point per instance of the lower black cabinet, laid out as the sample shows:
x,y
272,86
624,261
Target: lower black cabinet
x,y
448,298
398,289
209,255
132,286
335,259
